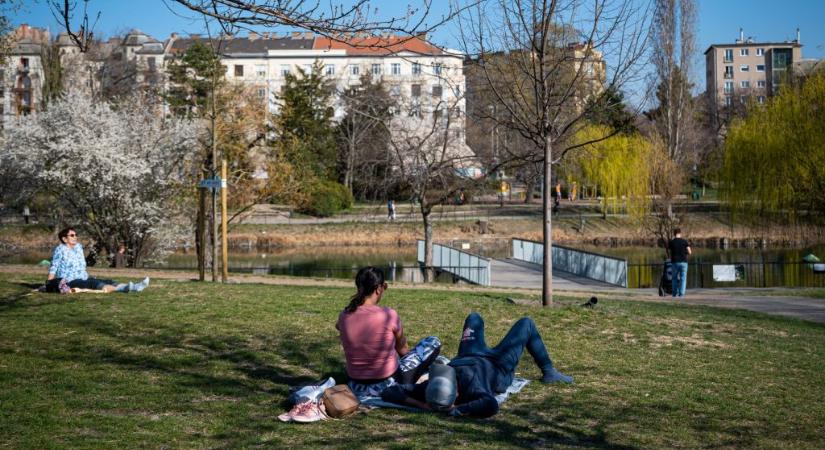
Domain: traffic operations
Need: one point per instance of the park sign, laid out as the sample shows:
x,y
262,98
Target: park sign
x,y
213,184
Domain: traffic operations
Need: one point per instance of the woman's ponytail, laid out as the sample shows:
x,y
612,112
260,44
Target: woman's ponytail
x,y
367,280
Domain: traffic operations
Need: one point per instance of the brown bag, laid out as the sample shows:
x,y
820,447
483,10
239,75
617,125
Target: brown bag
x,y
339,401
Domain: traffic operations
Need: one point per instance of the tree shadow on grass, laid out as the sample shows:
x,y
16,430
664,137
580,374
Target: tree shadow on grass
x,y
193,359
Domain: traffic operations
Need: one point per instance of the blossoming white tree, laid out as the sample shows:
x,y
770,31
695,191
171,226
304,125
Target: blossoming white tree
x,y
116,169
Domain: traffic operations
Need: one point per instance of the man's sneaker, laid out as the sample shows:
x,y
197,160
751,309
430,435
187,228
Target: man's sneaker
x,y
137,287
554,376
307,412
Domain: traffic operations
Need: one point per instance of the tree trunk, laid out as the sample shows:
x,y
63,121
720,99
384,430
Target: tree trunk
x,y
200,233
528,194
547,257
429,273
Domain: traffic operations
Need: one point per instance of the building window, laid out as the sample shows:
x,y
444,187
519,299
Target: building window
x,y
238,70
743,52
24,63
260,71
438,91
728,101
457,112
743,99
262,93
760,83
760,67
285,69
760,99
457,91
354,70
329,69
437,69
307,69
744,68
728,71
395,68
728,87
376,69
150,61
415,90
744,84
760,52
2,92
395,90
416,68
729,55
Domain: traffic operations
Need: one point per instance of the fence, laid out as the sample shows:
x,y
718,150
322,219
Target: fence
x,y
607,269
745,274
467,266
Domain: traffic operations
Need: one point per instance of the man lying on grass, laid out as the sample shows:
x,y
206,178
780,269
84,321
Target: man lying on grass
x,y
469,383
68,269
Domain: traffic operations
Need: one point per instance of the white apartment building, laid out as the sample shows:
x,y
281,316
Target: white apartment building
x,y
21,80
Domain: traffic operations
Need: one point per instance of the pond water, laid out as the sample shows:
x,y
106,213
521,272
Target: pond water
x,y
757,267
772,267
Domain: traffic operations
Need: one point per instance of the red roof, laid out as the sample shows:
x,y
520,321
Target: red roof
x,y
377,45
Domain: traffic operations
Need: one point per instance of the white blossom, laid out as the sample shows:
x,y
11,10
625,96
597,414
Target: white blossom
x,y
119,169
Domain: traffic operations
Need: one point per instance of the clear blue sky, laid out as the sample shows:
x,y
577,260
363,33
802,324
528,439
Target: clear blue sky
x,y
718,20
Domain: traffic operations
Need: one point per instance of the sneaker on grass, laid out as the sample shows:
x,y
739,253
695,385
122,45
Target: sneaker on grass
x,y
137,287
307,412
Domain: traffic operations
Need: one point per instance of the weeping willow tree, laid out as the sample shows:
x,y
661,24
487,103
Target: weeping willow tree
x,y
619,165
775,157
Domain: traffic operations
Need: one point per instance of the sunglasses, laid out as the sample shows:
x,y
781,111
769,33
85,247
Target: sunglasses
x,y
71,235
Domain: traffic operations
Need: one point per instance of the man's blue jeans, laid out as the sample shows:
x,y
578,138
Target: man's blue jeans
x,y
508,352
679,278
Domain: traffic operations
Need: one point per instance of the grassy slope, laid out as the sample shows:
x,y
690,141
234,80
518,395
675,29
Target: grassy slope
x,y
189,365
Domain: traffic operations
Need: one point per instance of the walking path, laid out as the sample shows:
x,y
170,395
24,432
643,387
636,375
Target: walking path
x,y
805,308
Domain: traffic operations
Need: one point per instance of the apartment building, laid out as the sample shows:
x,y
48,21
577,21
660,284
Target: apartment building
x,y
21,81
747,68
422,76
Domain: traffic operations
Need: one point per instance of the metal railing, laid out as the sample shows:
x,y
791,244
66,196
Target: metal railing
x,y
604,268
467,266
747,274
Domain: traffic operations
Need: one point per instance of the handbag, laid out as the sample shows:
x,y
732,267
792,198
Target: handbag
x,y
339,401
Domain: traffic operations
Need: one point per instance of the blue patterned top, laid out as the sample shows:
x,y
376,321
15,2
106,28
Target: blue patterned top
x,y
69,263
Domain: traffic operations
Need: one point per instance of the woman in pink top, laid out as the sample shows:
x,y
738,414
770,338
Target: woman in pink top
x,y
373,338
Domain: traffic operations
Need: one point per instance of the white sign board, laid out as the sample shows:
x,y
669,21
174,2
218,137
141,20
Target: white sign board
x,y
724,272
819,268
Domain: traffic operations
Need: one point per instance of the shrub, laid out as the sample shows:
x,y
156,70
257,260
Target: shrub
x,y
326,198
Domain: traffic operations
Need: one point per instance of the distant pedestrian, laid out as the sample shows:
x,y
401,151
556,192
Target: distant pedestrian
x,y
120,257
573,192
679,252
391,210
558,191
26,214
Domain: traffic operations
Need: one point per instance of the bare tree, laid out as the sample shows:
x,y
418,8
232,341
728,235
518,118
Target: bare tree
x,y
65,13
674,30
324,18
540,61
429,160
363,134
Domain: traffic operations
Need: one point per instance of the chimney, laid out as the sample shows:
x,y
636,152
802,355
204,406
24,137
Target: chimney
x,y
252,36
797,37
296,35
309,35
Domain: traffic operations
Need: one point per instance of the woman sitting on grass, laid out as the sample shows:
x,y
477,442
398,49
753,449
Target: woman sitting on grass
x,y
374,343
67,272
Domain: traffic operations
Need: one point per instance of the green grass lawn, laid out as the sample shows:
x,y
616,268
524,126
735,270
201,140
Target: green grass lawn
x,y
187,365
